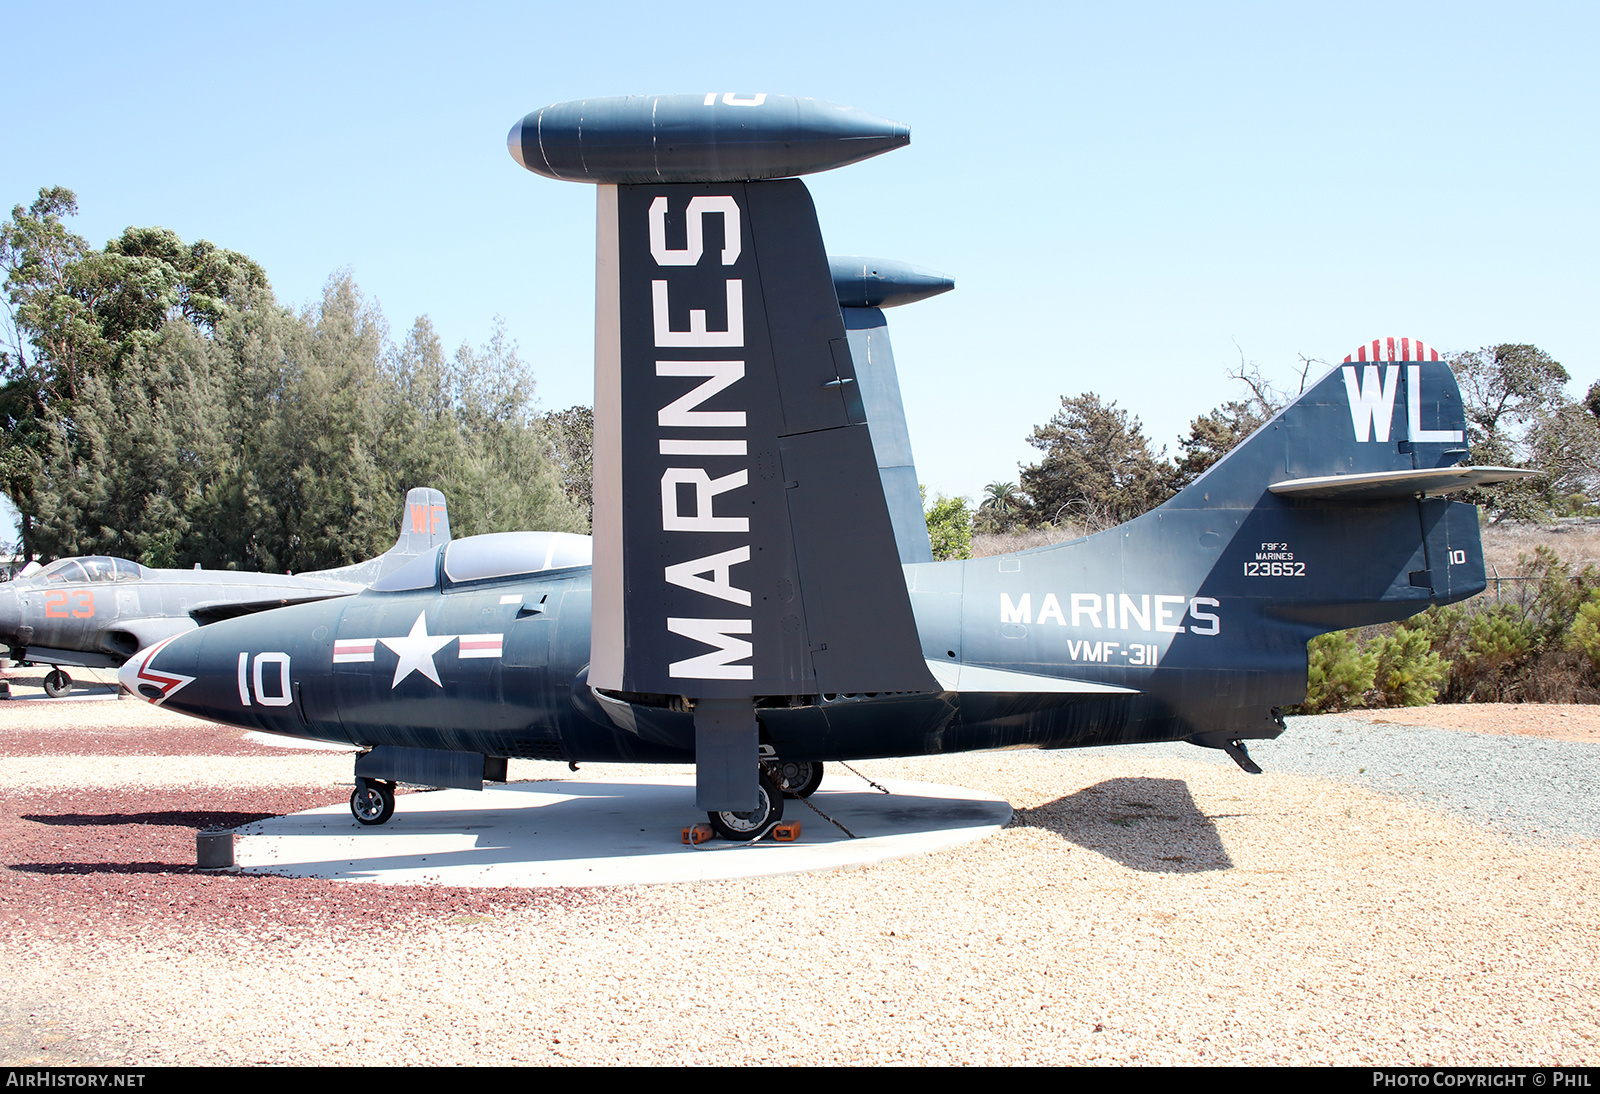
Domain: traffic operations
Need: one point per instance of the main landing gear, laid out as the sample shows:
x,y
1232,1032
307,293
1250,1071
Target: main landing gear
x,y
755,822
373,801
799,778
779,779
57,684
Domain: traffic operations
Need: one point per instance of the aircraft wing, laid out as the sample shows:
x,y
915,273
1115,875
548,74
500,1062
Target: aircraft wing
x,y
212,611
976,678
1397,484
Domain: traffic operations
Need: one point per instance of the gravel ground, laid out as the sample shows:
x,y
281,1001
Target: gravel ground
x,y
1149,905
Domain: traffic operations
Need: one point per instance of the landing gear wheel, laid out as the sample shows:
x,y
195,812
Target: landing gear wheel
x,y
57,684
747,826
801,776
372,802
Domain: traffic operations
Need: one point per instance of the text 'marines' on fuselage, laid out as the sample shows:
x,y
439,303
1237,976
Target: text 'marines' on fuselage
x,y
756,603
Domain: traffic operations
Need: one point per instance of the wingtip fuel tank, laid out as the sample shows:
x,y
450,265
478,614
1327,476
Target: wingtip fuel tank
x,y
883,283
711,137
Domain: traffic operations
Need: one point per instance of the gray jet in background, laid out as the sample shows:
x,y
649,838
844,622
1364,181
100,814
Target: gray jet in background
x,y
98,611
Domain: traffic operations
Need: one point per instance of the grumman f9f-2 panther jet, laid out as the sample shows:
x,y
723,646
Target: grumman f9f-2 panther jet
x,y
758,598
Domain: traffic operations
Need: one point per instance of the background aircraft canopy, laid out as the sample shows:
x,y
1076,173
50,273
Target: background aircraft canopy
x,y
490,556
94,568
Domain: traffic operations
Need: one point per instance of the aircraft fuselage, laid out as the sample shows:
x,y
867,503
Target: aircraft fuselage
x,y
1065,646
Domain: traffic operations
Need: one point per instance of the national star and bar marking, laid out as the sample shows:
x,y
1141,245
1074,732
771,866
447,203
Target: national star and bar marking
x,y
416,650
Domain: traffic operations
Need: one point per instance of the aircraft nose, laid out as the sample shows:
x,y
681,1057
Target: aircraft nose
x,y
142,679
128,674
10,613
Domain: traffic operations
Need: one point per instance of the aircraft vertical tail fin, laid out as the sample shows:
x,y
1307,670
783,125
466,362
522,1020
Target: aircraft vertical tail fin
x,y
1339,517
424,525
424,522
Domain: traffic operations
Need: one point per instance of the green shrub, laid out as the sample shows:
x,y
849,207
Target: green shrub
x,y
1584,634
1340,673
1408,673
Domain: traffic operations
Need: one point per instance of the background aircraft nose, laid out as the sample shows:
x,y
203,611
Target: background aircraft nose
x,y
10,614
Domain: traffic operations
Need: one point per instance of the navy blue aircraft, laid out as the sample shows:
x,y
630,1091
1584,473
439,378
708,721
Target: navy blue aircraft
x,y
759,597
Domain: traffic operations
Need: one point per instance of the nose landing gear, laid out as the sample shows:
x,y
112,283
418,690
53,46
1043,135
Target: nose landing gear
x,y
373,801
57,684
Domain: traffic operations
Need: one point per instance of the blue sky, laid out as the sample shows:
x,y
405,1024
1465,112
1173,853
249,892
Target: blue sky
x,y
1128,196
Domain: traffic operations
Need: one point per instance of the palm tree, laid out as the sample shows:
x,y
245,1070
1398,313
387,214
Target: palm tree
x,y
1004,504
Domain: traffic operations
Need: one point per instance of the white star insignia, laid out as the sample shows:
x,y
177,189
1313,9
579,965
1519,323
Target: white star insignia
x,y
416,651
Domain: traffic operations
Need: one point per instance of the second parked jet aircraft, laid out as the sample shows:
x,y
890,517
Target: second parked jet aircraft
x,y
98,611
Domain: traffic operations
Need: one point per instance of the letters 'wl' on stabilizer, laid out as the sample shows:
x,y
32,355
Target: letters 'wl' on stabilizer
x,y
98,611
749,595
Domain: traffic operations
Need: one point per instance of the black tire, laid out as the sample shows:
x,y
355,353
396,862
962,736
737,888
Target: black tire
x,y
372,803
747,826
57,684
802,776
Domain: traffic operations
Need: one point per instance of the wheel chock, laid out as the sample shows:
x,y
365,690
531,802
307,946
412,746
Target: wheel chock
x,y
786,831
697,834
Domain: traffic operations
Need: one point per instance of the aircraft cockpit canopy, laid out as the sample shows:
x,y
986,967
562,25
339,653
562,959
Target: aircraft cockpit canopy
x,y
489,557
96,568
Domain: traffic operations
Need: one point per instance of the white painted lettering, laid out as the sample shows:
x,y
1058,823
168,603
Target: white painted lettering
x,y
1199,616
1020,612
697,336
714,665
705,489
1414,413
687,575
1164,623
1372,402
284,696
699,207
1141,614
674,446
681,412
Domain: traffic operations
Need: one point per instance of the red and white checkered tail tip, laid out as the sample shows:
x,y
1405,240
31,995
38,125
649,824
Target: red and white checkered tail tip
x,y
1393,349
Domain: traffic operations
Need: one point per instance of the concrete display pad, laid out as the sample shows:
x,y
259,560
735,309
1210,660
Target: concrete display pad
x,y
624,831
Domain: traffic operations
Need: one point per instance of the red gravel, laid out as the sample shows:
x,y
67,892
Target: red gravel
x,y
127,867
204,739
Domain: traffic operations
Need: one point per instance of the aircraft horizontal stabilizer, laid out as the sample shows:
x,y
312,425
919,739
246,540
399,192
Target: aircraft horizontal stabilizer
x,y
1397,484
